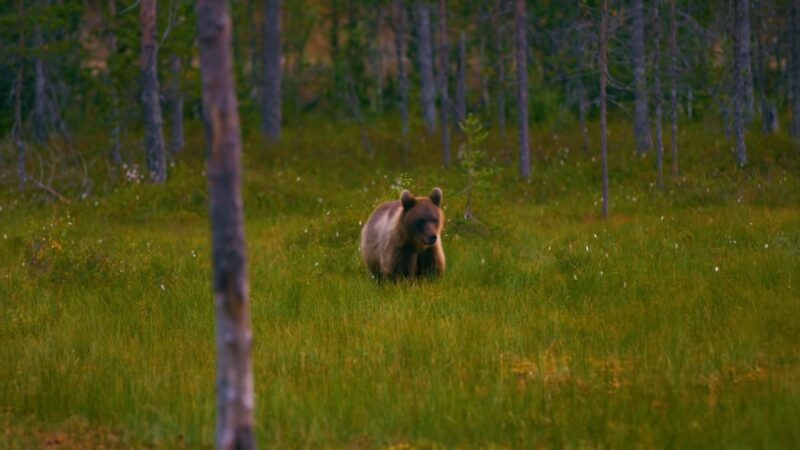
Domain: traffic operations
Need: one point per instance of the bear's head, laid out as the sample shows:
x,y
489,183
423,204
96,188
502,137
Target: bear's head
x,y
422,218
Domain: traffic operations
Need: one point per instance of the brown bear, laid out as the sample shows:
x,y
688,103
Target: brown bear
x,y
402,238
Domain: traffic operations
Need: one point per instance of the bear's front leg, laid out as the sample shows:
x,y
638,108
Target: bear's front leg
x,y
431,262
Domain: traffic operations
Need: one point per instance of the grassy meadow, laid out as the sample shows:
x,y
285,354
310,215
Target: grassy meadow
x,y
674,323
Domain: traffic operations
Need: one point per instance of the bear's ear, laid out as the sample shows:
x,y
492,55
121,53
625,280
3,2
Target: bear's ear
x,y
436,196
407,200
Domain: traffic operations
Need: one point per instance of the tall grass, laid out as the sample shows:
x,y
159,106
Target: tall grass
x,y
674,323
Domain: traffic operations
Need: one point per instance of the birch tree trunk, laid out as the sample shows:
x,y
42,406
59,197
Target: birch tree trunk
x,y
235,397
641,129
673,89
522,89
16,130
795,70
154,135
759,81
376,55
742,44
747,65
176,105
461,75
501,77
444,82
115,155
425,56
581,90
402,78
603,77
657,93
271,89
41,123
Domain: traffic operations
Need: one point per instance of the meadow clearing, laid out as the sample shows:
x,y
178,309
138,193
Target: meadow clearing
x,y
674,323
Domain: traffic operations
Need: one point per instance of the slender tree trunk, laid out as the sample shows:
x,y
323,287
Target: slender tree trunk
x,y
603,77
657,93
486,98
742,30
154,135
461,89
115,154
425,55
759,82
673,91
271,89
336,60
581,90
747,63
253,54
795,70
176,105
402,79
16,130
501,77
235,397
41,124
641,129
444,81
376,55
522,89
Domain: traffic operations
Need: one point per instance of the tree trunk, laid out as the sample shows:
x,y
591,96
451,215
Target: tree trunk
x,y
376,55
425,55
114,154
16,131
641,129
742,30
402,79
335,51
522,89
603,77
41,122
176,105
444,81
501,77
795,70
673,90
271,89
759,81
235,397
657,93
253,56
154,135
581,90
461,89
486,98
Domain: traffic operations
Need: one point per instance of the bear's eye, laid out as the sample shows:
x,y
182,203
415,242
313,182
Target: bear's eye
x,y
419,223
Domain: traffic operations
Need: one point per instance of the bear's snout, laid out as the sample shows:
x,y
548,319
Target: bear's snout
x,y
430,240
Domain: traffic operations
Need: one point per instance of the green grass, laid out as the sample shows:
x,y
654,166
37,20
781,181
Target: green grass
x,y
672,324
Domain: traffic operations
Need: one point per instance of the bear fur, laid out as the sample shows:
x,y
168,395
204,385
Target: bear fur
x,y
402,238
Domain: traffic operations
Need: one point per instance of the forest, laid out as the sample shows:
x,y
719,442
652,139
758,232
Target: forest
x,y
196,251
